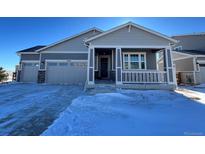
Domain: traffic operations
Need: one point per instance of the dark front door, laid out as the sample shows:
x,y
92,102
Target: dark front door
x,y
104,67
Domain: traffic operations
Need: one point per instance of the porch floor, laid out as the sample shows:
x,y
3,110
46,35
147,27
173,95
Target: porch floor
x,y
104,82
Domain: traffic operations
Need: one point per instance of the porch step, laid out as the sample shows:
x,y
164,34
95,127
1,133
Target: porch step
x,y
101,88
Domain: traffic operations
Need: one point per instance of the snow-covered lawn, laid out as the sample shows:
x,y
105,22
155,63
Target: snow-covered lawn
x,y
28,109
131,112
193,92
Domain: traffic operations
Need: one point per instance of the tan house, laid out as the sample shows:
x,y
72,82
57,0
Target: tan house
x,y
189,58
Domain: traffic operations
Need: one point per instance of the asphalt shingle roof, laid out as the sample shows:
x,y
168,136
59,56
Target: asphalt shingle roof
x,y
32,49
192,52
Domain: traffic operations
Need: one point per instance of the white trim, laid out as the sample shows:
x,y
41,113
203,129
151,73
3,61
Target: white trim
x,y
116,67
201,61
88,68
167,67
173,68
134,25
194,65
30,61
64,52
78,60
24,53
129,61
56,60
128,46
94,66
129,29
68,38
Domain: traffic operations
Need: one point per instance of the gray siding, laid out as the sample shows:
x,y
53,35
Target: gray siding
x,y
134,37
184,65
73,56
75,44
191,42
30,57
62,56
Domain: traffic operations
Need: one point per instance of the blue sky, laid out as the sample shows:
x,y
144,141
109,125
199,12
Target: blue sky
x,y
20,33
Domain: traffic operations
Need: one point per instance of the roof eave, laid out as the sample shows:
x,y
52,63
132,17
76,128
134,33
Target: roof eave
x,y
71,37
135,25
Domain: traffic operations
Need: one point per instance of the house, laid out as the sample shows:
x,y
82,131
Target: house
x,y
189,58
125,56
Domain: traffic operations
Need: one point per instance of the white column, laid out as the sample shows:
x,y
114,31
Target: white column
x,y
194,73
91,66
169,66
118,64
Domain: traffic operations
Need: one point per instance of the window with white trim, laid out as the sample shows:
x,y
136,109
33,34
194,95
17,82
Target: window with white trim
x,y
134,61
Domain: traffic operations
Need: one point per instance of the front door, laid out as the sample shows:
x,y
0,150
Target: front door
x,y
104,67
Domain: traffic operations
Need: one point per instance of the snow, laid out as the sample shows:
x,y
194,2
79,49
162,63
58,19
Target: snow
x,y
28,109
131,112
41,109
193,92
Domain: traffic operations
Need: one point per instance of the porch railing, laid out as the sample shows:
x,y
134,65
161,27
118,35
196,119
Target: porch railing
x,y
144,76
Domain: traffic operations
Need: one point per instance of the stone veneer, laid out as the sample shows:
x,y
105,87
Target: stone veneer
x,y
41,76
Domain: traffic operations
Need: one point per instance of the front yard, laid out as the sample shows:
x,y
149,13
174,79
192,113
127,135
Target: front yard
x,y
131,112
28,109
32,109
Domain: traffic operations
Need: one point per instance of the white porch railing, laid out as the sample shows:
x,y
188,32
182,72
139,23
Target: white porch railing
x,y
144,76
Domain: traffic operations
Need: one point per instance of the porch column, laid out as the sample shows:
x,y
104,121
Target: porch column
x,y
90,71
169,66
118,66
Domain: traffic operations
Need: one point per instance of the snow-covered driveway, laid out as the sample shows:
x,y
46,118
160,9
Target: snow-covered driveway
x,y
126,112
28,109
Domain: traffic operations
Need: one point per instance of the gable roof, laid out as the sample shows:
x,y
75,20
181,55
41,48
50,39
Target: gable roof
x,y
191,52
134,25
190,34
71,37
32,49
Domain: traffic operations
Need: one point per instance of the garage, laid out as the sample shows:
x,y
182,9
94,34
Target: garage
x,y
66,72
30,71
202,73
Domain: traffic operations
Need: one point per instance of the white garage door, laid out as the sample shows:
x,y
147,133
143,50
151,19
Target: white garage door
x,y
30,72
66,72
202,74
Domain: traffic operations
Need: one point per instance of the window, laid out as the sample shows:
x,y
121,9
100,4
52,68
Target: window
x,y
63,64
134,61
36,64
178,48
52,64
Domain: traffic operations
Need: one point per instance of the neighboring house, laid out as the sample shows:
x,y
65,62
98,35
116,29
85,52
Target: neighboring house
x,y
189,58
125,56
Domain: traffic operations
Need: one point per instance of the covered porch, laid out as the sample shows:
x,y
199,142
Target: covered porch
x,y
130,67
